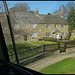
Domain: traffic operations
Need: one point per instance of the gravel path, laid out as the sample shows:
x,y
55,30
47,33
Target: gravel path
x,y
40,64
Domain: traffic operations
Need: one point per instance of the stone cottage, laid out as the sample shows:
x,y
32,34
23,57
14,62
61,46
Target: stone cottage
x,y
37,26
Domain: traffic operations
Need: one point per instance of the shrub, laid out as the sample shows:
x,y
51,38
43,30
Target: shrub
x,y
50,39
72,38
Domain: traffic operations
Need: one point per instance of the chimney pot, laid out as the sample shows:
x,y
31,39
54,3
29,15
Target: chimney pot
x,y
61,13
37,12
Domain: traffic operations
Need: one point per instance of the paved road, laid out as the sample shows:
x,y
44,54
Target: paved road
x,y
38,65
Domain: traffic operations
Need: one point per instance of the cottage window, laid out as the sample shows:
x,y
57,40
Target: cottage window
x,y
47,26
55,25
62,34
34,35
47,34
25,26
16,35
34,25
62,26
16,26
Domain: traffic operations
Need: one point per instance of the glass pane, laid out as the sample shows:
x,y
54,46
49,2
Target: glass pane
x,y
38,26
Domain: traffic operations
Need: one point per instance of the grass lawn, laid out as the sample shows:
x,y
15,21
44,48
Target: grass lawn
x,y
44,42
20,47
66,66
23,50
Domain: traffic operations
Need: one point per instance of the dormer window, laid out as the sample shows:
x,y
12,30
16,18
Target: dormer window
x,y
16,26
34,26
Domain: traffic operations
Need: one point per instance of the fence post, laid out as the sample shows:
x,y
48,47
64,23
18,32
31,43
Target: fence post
x,y
43,48
58,45
65,46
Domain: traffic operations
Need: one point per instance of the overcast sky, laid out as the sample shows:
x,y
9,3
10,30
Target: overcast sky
x,y
44,7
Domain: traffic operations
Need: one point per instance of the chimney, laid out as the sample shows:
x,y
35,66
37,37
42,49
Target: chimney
x,y
61,13
37,12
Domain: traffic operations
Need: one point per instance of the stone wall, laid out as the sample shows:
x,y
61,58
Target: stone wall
x,y
41,31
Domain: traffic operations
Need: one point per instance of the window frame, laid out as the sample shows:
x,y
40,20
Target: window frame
x,y
47,26
62,26
62,34
34,26
34,35
25,26
16,26
16,35
55,25
48,34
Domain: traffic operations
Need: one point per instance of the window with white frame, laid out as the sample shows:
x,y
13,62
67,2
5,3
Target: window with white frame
x,y
62,33
47,34
25,26
55,25
47,26
34,26
62,26
34,35
16,26
16,35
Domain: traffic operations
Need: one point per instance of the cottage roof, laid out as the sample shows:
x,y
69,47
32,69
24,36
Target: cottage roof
x,y
54,19
31,18
28,18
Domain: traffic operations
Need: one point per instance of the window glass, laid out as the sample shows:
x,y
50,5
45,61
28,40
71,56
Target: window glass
x,y
16,35
55,25
25,26
63,34
62,26
47,26
47,34
34,25
34,35
16,26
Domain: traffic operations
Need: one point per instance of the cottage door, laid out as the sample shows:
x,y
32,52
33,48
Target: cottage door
x,y
57,35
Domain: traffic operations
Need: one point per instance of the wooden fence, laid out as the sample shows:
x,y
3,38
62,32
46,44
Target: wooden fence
x,y
26,53
62,46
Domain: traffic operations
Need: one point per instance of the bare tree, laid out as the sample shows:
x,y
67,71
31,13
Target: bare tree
x,y
55,12
20,7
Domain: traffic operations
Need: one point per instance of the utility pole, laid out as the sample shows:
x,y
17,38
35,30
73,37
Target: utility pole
x,y
11,31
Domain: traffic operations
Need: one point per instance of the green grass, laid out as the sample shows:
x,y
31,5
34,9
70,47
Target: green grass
x,y
23,50
66,66
20,47
44,42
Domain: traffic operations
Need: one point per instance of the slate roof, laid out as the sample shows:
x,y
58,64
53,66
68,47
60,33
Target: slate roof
x,y
30,18
55,19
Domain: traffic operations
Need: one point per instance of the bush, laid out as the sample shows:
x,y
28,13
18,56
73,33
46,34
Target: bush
x,y
50,39
72,38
